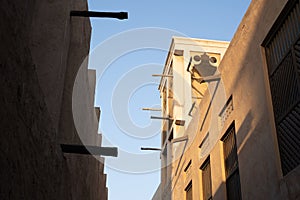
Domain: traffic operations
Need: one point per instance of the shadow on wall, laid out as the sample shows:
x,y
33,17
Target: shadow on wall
x,y
256,139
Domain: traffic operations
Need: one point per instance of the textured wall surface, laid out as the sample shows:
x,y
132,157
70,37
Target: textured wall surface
x,y
40,53
244,76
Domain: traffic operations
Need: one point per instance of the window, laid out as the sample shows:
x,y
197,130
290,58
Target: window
x,y
233,186
204,146
206,180
189,192
188,166
282,47
225,112
188,171
170,92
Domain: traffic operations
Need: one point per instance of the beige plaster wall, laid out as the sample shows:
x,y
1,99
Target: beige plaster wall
x,y
41,51
244,76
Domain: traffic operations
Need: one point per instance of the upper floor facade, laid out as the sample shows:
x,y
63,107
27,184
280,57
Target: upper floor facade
x,y
232,132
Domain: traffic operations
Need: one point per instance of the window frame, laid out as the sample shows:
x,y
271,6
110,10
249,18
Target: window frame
x,y
189,191
282,60
206,166
235,171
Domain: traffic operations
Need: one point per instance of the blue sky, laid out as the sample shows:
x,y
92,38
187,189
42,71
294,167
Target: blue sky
x,y
125,84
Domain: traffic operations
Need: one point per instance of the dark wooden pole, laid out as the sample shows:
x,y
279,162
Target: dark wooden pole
x,y
117,15
89,150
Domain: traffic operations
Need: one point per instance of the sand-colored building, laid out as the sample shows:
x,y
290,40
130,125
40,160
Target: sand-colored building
x,y
42,52
231,117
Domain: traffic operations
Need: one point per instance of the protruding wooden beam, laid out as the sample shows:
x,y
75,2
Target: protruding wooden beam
x,y
163,118
151,109
180,139
117,15
150,149
162,75
89,150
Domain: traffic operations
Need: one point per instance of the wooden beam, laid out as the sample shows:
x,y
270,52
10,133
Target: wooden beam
x,y
163,118
151,109
150,149
180,139
117,15
89,150
162,75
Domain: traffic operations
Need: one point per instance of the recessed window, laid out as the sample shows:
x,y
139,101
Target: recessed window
x,y
204,146
206,180
188,166
189,192
188,171
233,186
282,47
225,112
